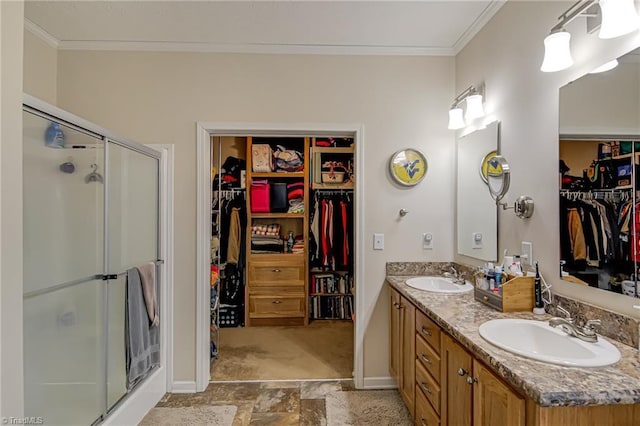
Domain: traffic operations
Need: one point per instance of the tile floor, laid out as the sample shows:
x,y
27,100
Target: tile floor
x,y
270,403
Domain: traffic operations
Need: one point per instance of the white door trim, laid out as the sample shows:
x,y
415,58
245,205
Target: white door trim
x,y
204,131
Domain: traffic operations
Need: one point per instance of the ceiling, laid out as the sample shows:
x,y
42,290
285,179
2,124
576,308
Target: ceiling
x,y
330,27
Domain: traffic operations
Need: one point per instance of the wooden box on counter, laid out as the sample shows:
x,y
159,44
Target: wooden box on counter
x,y
517,295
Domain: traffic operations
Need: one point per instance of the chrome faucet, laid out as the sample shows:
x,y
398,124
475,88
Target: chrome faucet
x,y
585,332
456,277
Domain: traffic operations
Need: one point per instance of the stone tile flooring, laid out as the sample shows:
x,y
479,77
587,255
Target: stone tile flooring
x,y
272,403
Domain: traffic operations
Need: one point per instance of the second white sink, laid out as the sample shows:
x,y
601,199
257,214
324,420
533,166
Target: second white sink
x,y
438,285
538,340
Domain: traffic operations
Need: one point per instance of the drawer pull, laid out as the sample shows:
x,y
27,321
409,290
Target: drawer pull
x,y
425,388
462,372
471,380
426,360
276,270
277,302
485,298
426,331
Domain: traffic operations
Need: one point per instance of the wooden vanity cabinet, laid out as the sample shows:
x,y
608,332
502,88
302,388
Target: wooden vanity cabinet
x,y
494,403
402,349
457,398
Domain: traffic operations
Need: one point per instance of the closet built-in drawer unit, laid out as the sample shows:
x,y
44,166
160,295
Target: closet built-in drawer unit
x,y
276,270
276,289
428,371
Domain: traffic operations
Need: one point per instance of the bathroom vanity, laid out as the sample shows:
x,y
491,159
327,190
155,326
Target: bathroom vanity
x,y
447,374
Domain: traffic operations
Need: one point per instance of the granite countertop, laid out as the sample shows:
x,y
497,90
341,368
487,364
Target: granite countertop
x,y
546,384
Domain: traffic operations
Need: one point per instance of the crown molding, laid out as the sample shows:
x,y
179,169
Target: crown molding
x,y
486,15
273,49
41,33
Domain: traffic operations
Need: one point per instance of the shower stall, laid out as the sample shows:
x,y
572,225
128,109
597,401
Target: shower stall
x,y
91,213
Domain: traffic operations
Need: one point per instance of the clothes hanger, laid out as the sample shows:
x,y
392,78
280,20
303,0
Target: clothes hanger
x,y
94,176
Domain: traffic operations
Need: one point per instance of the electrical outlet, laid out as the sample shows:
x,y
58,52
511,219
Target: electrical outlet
x,y
526,253
427,241
476,240
378,241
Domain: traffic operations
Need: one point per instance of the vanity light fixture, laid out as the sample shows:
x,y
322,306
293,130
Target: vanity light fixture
x,y
607,66
473,97
618,17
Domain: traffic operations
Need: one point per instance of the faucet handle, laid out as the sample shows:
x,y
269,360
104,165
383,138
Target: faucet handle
x,y
591,323
560,310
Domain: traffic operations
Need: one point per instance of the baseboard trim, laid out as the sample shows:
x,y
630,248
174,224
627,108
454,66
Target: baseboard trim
x,y
379,383
183,387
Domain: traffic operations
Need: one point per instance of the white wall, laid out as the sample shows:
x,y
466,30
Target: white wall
x,y
11,388
402,102
40,68
507,55
606,103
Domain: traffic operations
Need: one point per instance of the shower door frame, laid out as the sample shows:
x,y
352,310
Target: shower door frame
x,y
132,407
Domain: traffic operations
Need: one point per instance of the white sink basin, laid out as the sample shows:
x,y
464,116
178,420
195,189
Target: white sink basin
x,y
539,341
438,285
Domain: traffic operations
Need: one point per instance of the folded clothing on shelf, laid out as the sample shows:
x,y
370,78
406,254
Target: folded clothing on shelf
x,y
272,230
295,190
261,244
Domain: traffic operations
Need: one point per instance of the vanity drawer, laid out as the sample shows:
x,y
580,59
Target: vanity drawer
x,y
429,330
428,387
425,415
428,357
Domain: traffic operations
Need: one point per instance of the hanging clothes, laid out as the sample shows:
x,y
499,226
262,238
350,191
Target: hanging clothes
x,y
331,236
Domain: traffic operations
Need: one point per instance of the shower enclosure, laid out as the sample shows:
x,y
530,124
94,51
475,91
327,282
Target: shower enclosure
x,y
91,212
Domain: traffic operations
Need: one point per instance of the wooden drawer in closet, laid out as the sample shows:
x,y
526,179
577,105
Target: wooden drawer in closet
x,y
425,414
428,357
276,306
429,388
276,270
429,330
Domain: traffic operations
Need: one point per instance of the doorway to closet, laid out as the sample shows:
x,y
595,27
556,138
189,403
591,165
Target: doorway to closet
x,y
282,268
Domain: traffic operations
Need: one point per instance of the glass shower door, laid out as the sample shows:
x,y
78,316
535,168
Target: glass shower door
x,y
132,240
64,295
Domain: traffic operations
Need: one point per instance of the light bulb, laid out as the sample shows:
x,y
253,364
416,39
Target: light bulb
x,y
619,17
557,52
474,108
455,119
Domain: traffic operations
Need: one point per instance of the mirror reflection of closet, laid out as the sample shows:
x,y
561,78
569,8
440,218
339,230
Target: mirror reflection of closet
x,y
477,213
599,157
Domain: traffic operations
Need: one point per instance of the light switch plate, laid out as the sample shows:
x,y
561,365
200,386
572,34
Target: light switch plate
x,y
526,253
476,240
378,241
427,241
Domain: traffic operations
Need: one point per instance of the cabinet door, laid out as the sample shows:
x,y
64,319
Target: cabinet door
x,y
457,392
408,353
494,403
394,335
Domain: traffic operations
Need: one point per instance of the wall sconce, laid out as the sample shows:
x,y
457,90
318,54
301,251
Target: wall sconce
x,y
474,98
618,17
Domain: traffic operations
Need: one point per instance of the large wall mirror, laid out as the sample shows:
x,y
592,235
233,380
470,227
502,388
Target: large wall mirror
x,y
599,164
477,213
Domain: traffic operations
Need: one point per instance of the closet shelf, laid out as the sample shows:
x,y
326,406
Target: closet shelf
x,y
299,175
348,150
334,186
278,215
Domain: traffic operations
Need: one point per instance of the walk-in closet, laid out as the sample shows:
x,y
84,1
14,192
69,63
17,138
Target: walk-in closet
x,y
282,257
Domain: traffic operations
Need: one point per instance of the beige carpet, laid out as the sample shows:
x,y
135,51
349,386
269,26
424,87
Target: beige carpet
x,y
322,350
184,416
362,407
